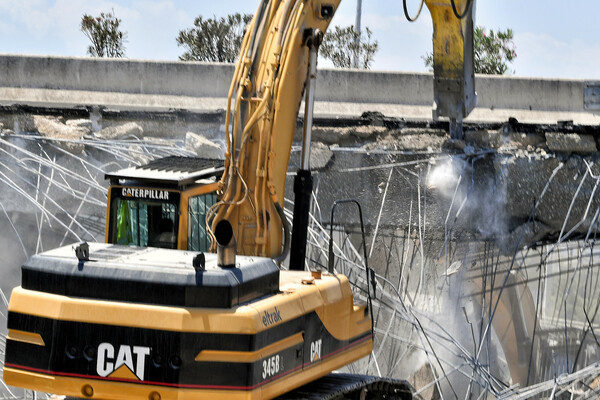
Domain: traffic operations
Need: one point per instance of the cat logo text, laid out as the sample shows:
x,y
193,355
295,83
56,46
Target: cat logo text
x,y
124,362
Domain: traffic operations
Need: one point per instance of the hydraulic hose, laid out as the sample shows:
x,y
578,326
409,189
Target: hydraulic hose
x,y
407,15
461,16
286,233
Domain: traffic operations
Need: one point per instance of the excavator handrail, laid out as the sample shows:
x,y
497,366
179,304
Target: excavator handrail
x,y
369,271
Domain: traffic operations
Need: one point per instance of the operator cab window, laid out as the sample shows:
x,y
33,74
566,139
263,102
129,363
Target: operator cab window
x,y
198,206
143,222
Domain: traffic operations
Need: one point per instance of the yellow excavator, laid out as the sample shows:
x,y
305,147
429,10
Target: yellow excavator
x,y
153,313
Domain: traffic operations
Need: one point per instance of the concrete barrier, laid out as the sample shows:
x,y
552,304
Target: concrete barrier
x,y
158,85
116,75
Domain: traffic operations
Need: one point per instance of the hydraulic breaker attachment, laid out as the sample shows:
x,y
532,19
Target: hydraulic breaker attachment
x,y
453,64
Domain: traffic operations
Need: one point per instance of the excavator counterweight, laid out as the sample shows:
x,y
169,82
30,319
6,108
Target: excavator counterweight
x,y
131,322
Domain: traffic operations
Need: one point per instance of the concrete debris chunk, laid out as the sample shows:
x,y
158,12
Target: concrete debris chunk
x,y
570,143
202,146
129,129
421,378
398,141
346,134
454,144
499,139
81,123
320,155
69,138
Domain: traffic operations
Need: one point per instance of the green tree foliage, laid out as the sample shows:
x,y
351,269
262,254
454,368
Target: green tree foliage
x,y
347,48
496,50
493,51
105,34
214,39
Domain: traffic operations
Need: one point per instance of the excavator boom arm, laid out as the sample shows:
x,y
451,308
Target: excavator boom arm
x,y
263,105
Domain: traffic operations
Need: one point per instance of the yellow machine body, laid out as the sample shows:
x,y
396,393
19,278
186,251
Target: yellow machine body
x,y
102,348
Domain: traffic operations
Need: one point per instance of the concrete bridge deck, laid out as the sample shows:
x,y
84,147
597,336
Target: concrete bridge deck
x,y
68,82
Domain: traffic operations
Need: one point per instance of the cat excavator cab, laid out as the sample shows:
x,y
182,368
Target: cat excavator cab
x,y
163,203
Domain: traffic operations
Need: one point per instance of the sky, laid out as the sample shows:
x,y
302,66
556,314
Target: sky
x,y
553,38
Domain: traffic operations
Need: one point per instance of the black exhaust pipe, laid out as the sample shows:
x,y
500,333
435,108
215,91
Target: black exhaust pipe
x,y
226,244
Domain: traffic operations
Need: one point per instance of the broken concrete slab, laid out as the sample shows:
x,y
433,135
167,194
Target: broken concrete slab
x,y
202,146
570,143
479,138
24,123
80,123
347,135
66,136
526,177
497,139
123,131
421,378
454,144
320,155
399,141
